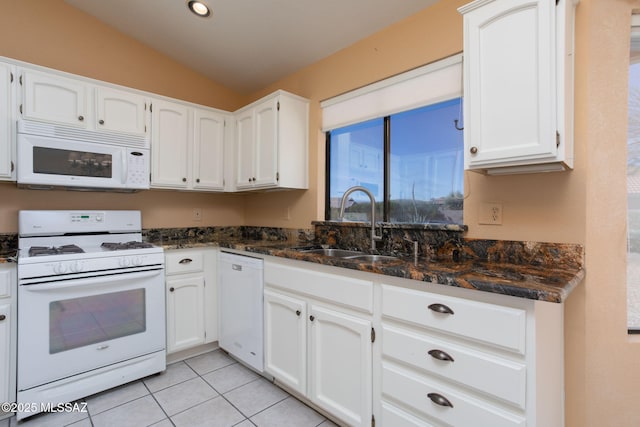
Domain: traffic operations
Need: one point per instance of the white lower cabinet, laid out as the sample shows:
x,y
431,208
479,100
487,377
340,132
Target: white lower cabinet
x,y
191,298
443,356
7,334
447,359
318,347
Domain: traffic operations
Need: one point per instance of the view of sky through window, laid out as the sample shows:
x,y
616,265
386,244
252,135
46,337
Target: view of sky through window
x,y
424,166
633,199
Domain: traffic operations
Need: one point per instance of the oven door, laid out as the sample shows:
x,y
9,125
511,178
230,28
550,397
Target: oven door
x,y
73,326
45,161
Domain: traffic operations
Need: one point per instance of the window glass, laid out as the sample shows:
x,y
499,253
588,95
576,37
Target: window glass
x,y
426,165
633,190
411,162
357,158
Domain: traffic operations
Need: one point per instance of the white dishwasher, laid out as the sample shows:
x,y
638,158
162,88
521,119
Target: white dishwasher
x,y
240,299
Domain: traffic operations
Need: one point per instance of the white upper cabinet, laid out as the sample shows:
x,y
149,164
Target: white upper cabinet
x,y
272,136
52,98
7,137
57,99
120,111
187,147
208,150
170,132
518,85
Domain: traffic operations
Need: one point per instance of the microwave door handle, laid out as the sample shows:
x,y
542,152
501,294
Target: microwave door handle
x,y
91,281
124,166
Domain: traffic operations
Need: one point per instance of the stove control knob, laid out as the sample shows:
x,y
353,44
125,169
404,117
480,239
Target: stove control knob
x,y
125,262
76,267
59,268
136,261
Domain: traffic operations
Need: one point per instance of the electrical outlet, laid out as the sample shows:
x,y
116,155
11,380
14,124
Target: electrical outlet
x,y
490,214
287,214
197,214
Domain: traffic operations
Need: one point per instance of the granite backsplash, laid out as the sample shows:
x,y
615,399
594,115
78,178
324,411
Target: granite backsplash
x,y
435,241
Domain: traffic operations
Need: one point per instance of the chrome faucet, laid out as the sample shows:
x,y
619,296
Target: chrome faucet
x,y
374,236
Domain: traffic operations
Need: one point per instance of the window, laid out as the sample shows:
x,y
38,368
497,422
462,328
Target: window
x,y
412,162
400,139
633,183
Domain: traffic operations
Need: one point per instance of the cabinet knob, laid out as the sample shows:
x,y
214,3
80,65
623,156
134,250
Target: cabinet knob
x,y
184,179
253,179
473,150
101,121
298,312
171,289
312,318
440,355
439,399
81,118
197,179
2,317
249,179
440,308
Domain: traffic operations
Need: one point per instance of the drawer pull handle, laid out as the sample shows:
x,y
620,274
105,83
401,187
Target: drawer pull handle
x,y
298,313
440,308
440,355
185,261
439,399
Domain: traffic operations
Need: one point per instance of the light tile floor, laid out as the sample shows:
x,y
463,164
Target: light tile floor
x,y
207,390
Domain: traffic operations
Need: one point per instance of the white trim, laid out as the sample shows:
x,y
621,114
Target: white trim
x,y
429,84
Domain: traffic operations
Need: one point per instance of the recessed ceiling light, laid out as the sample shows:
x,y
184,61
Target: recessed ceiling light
x,y
199,8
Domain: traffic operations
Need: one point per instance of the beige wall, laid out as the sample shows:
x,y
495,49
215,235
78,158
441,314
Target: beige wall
x,y
56,35
584,206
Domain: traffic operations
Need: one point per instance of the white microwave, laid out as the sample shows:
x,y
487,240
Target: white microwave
x,y
53,156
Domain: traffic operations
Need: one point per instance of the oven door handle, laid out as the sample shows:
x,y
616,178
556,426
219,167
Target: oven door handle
x,y
92,281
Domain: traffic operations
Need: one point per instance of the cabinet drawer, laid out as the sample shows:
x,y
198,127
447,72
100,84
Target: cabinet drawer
x,y
415,390
5,282
396,417
179,262
345,291
504,379
489,323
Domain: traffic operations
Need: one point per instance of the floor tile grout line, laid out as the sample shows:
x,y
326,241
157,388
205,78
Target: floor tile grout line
x,y
158,403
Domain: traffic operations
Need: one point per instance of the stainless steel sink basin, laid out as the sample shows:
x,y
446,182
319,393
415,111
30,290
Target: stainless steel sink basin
x,y
372,258
339,253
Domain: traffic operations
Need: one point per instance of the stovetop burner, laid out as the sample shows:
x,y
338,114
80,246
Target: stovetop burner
x,y
52,250
126,245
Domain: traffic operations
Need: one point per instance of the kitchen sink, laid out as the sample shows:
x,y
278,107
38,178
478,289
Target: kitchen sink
x,y
338,253
372,258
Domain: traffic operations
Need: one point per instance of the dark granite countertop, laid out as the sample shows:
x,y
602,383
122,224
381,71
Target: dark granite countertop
x,y
532,270
544,282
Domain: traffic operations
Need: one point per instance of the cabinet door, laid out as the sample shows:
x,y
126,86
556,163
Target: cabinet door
x,y
55,99
120,111
286,339
169,144
510,82
266,143
245,150
340,365
7,141
5,350
208,152
185,313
